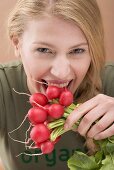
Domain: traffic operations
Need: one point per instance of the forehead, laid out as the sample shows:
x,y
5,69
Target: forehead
x,y
53,27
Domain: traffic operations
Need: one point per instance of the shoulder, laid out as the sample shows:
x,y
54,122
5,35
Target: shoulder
x,y
109,66
12,75
108,69
108,79
10,69
108,72
10,65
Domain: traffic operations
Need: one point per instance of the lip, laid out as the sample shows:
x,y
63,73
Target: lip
x,y
57,81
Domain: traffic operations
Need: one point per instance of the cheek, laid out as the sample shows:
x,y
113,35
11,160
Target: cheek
x,y
34,67
81,69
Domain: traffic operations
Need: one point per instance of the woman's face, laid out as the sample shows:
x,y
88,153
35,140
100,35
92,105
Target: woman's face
x,y
54,51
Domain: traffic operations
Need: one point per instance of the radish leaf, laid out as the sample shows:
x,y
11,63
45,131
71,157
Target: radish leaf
x,y
80,161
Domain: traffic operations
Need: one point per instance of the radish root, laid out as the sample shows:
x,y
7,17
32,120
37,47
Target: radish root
x,y
26,136
21,93
37,154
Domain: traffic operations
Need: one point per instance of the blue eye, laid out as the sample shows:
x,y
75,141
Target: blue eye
x,y
43,50
77,51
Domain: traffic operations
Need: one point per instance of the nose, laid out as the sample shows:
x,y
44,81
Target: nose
x,y
61,67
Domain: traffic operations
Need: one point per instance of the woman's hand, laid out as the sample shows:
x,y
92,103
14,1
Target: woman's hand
x,y
99,109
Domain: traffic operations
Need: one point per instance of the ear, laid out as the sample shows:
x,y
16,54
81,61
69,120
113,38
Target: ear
x,y
16,44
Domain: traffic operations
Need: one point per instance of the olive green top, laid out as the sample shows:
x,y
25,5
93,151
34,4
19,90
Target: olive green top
x,y
14,107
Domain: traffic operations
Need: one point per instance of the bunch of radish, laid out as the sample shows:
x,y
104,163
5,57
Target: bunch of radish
x,y
46,117
45,110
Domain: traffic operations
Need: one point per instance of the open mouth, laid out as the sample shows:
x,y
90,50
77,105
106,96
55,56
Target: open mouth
x,y
45,84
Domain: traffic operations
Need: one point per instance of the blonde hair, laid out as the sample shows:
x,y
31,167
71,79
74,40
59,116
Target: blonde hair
x,y
86,15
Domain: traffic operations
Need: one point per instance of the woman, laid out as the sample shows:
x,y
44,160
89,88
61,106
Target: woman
x,y
59,42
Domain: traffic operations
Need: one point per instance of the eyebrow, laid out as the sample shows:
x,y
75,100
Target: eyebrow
x,y
50,45
79,44
43,43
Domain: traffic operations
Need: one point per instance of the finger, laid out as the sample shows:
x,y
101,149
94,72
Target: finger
x,y
105,134
101,125
80,111
90,118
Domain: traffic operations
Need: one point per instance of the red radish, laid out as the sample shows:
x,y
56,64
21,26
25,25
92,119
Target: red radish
x,y
47,106
39,98
53,92
37,115
62,90
38,145
47,109
56,111
47,147
66,98
40,133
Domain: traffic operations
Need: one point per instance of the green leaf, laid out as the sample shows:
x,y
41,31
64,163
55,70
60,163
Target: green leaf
x,y
110,147
107,167
102,145
99,157
80,161
108,163
111,139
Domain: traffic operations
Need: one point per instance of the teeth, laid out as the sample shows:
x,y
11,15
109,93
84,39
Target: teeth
x,y
59,85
